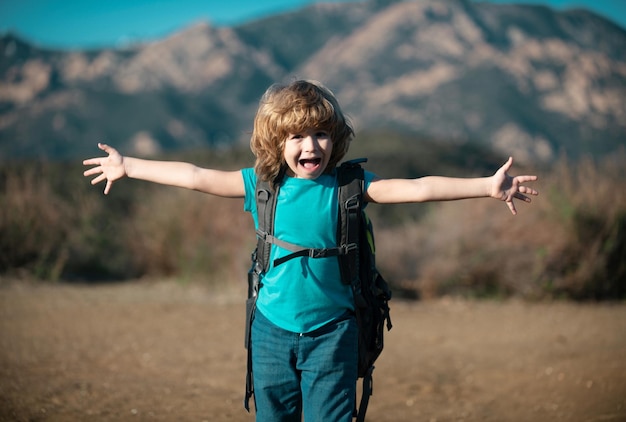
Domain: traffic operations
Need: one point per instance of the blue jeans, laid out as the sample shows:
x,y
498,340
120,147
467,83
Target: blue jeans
x,y
311,374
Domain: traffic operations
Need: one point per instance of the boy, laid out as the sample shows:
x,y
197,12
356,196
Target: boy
x,y
304,335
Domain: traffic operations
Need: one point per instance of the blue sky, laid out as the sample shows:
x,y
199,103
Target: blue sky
x,y
110,23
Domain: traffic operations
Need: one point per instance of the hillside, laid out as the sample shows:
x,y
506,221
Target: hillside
x,y
523,80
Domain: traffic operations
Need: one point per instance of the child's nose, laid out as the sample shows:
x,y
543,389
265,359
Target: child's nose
x,y
311,143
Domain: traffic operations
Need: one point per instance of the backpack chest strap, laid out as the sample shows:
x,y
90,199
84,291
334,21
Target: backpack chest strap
x,y
302,251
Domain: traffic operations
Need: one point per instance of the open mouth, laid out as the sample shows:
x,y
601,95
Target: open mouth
x,y
310,163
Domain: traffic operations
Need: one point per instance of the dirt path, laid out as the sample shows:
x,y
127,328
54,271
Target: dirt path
x,y
165,352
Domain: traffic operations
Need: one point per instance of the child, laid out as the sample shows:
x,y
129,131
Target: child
x,y
304,335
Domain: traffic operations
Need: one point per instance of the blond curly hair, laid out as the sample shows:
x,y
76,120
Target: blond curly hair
x,y
291,108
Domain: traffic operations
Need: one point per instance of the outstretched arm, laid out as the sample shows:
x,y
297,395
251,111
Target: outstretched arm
x,y
434,188
115,166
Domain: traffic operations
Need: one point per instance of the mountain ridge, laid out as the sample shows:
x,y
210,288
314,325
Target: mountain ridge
x,y
522,80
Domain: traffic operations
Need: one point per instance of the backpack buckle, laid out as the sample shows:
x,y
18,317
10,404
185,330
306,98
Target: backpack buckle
x,y
318,253
346,249
352,203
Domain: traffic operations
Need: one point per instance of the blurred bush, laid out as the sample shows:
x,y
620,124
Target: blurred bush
x,y
56,226
570,243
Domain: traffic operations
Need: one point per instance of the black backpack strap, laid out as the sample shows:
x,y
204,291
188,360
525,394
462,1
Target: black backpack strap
x,y
298,250
350,177
266,208
366,392
312,252
351,202
250,310
266,205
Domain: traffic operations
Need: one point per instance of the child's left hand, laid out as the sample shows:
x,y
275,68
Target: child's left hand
x,y
505,187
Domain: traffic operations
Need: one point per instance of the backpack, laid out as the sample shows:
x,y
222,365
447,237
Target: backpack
x,y
356,254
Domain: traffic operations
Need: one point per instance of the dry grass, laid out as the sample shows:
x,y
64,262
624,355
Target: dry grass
x,y
571,242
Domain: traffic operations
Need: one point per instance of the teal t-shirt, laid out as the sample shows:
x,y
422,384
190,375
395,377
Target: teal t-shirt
x,y
303,293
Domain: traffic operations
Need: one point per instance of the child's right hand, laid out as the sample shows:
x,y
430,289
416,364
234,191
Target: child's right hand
x,y
110,168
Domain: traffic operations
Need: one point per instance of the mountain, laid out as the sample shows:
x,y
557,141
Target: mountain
x,y
523,80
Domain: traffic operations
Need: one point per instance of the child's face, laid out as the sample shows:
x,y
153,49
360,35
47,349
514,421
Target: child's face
x,y
307,153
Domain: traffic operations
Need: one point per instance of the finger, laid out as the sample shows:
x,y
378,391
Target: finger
x,y
527,190
511,206
92,171
107,188
521,197
508,164
105,148
98,179
526,178
91,161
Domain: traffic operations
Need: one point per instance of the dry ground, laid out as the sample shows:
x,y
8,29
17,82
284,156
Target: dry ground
x,y
164,351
